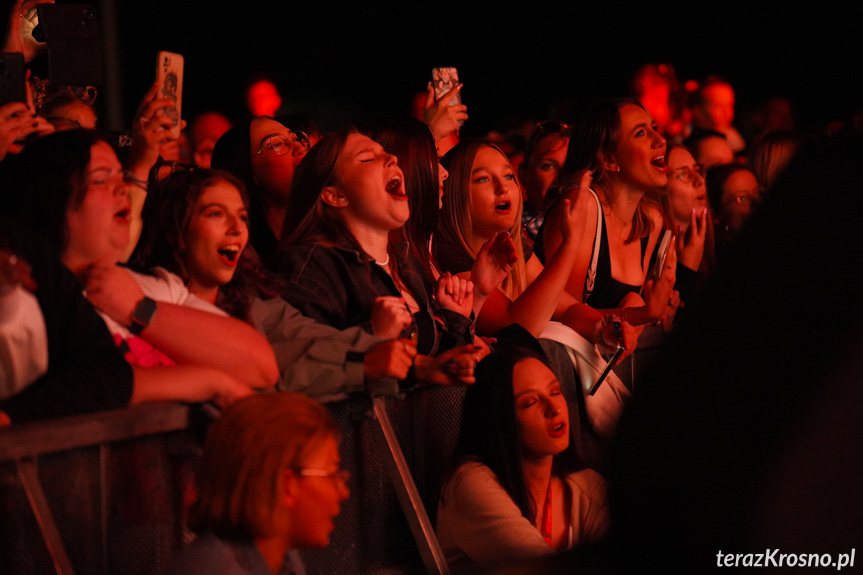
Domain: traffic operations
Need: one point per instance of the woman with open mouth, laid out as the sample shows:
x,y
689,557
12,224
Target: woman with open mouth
x,y
72,192
618,141
482,201
196,226
341,269
518,490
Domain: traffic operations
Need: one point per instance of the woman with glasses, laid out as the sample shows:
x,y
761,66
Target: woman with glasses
x,y
544,156
263,154
269,484
72,193
733,192
618,141
684,206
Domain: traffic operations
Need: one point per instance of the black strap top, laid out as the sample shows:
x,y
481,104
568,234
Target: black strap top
x,y
607,291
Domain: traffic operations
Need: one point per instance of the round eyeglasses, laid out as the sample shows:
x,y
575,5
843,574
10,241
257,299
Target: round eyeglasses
x,y
750,197
554,128
339,476
687,173
283,143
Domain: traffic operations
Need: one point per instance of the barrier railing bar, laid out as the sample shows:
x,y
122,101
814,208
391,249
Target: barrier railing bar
x,y
29,478
406,490
28,440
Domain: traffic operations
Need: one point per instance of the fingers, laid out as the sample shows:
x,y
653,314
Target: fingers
x,y
586,180
701,229
451,94
149,96
671,259
429,97
504,249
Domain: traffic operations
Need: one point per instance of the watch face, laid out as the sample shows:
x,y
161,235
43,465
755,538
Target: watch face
x,y
144,312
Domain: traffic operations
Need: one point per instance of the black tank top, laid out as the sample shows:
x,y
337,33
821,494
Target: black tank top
x,y
607,291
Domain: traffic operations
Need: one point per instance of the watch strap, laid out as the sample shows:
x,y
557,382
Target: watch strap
x,y
143,315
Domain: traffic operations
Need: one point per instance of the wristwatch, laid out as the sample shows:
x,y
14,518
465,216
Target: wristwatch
x,y
143,315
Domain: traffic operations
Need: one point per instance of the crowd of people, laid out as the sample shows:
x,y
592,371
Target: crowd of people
x,y
262,266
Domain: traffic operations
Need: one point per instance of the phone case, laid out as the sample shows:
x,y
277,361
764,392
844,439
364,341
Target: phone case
x,y
74,44
664,244
169,73
444,80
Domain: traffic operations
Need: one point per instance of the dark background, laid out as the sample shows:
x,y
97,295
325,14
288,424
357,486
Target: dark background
x,y
340,62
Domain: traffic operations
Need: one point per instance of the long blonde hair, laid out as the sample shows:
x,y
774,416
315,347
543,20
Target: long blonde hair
x,y
456,224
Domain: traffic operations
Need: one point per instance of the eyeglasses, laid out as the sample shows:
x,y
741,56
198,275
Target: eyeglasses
x,y
750,197
282,143
554,128
340,476
686,174
164,168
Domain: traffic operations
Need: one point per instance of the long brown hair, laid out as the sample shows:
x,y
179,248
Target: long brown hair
x,y
166,215
309,219
596,135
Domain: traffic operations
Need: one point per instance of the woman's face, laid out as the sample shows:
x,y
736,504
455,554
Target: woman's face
x,y
740,194
318,500
274,158
99,227
217,234
686,191
493,193
540,410
640,152
369,186
540,172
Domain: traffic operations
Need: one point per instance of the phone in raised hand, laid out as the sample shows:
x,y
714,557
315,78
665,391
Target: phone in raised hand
x,y
169,74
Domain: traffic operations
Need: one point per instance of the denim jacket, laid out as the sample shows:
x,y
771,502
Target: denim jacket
x,y
338,286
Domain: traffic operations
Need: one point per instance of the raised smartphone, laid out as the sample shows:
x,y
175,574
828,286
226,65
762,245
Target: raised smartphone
x,y
169,73
445,79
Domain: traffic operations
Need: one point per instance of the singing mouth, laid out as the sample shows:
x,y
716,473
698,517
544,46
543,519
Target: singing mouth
x,y
230,253
123,216
659,162
395,187
503,206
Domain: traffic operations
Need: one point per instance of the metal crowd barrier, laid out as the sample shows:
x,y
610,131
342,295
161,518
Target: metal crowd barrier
x,y
109,493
